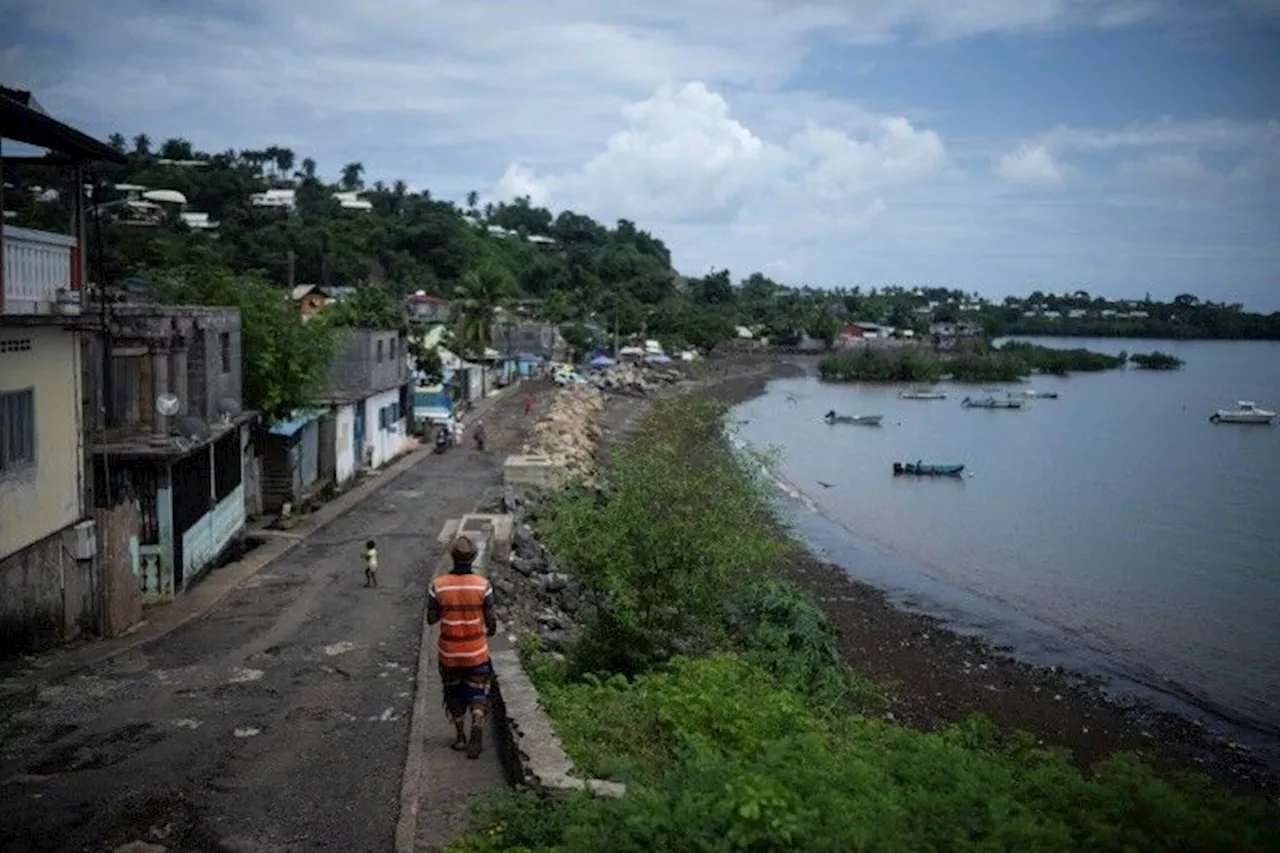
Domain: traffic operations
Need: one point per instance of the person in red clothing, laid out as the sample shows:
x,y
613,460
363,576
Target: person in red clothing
x,y
461,601
528,403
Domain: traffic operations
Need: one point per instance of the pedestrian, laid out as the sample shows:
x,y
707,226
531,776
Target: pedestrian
x,y
370,563
461,601
528,403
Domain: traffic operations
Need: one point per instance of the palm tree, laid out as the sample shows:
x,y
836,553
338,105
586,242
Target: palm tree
x,y
117,141
284,160
351,176
473,198
142,145
482,291
308,168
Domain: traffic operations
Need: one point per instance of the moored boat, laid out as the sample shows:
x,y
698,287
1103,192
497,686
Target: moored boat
x,y
1245,412
923,394
1039,395
861,420
919,469
990,403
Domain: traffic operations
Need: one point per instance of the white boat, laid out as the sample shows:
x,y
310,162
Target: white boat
x,y
1245,412
923,394
1039,395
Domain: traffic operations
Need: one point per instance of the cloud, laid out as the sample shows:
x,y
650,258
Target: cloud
x,y
1031,164
744,133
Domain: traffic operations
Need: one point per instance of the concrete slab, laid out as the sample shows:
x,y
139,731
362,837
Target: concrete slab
x,y
538,472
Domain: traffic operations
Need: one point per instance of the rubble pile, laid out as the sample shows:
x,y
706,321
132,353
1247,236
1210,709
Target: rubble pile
x,y
570,430
533,594
636,379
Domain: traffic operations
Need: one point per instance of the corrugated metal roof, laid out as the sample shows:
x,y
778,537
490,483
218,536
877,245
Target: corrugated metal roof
x,y
291,427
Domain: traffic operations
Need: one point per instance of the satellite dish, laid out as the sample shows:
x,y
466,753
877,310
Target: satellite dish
x,y
168,404
193,428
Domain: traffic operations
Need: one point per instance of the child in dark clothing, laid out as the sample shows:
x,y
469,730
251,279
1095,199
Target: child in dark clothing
x,y
370,563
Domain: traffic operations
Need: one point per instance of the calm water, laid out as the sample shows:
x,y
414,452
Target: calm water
x,y
1113,529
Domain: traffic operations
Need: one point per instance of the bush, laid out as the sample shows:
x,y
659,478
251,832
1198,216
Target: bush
x,y
720,758
1156,361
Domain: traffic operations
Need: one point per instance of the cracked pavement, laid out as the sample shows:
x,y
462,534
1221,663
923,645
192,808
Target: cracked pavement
x,y
276,722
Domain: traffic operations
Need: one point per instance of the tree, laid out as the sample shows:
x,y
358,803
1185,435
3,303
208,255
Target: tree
x,y
483,290
284,160
352,176
308,169
371,307
117,142
142,146
285,361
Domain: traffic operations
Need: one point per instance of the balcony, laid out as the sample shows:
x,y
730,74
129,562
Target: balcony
x,y
37,266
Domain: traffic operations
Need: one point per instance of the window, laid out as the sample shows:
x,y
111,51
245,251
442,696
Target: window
x,y
224,345
17,429
380,342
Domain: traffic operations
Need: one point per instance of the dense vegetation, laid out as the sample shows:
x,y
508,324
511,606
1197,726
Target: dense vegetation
x,y
716,693
1156,361
976,363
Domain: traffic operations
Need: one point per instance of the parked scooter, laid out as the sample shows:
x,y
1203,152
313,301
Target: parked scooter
x,y
442,440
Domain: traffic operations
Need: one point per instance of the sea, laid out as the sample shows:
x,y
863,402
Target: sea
x,y
1113,531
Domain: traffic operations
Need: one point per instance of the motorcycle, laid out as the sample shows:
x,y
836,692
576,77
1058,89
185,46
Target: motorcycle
x,y
442,440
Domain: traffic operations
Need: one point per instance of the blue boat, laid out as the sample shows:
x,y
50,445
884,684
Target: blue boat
x,y
919,469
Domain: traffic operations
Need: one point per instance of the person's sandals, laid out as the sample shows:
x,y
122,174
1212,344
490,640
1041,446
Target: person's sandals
x,y
475,742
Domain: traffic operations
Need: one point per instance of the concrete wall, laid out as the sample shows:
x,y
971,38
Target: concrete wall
x,y
390,442
344,443
357,368
208,537
46,596
40,499
208,381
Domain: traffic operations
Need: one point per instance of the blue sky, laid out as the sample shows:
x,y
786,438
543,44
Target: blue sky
x,y
1122,146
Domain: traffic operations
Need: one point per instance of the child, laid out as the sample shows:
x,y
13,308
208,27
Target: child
x,y
370,564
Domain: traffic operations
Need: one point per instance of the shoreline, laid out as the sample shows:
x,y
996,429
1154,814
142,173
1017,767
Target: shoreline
x,y
933,675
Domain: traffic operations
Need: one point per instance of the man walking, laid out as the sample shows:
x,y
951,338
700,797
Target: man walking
x,y
462,603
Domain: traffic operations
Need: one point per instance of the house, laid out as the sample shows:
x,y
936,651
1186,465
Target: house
x,y
423,307
862,329
170,438
360,423
351,201
52,587
280,199
311,299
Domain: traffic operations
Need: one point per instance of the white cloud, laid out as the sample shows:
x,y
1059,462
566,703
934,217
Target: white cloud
x,y
778,153
683,156
1031,164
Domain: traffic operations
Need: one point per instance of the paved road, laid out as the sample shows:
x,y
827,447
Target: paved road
x,y
278,722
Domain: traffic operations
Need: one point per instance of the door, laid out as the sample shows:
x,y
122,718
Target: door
x,y
358,435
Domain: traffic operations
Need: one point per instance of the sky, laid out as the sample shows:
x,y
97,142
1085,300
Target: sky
x,y
1123,147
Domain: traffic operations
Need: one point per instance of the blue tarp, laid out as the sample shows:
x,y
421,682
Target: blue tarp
x,y
293,426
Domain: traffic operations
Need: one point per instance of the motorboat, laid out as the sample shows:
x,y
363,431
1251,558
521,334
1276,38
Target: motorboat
x,y
923,394
1245,412
919,469
1032,394
990,403
861,420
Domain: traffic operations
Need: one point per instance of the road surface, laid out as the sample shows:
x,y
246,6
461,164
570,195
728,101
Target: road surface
x,y
279,721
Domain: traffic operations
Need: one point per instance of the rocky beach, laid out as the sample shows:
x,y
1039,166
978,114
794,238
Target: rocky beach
x,y
929,675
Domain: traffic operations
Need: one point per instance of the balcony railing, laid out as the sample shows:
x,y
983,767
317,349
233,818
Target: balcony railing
x,y
37,272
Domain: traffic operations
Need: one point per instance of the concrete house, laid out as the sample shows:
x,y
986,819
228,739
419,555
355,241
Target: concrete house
x,y
51,585
361,423
171,438
423,307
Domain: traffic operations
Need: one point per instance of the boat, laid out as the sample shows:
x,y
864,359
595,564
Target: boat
x,y
1039,395
1245,412
990,403
861,420
923,394
919,469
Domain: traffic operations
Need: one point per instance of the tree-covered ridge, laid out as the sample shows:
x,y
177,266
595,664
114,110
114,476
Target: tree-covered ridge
x,y
590,278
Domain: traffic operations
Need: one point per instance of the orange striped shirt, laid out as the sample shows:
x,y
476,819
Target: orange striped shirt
x,y
461,600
